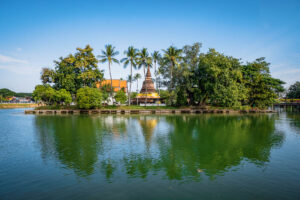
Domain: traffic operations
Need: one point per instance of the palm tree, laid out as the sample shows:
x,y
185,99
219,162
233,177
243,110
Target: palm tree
x,y
136,77
131,57
155,56
142,59
108,56
172,56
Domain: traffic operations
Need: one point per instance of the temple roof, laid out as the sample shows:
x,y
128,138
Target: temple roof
x,y
148,85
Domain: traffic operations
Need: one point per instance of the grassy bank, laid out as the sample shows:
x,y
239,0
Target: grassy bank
x,y
17,105
134,107
107,107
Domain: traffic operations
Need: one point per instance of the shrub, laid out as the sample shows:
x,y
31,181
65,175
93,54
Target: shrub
x,y
121,96
87,98
62,96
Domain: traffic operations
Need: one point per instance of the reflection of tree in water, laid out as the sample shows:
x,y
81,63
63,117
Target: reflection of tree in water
x,y
74,141
212,144
294,119
215,144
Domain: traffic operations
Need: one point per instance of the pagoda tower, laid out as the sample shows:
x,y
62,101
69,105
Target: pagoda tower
x,y
148,93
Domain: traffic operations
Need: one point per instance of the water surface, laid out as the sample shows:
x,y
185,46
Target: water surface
x,y
149,157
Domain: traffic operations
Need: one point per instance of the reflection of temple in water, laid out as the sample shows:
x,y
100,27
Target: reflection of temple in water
x,y
148,125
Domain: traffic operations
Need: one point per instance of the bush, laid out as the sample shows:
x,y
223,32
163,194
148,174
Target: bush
x,y
48,95
87,98
62,96
44,93
121,96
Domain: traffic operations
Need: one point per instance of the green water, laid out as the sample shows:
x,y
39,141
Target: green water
x,y
149,157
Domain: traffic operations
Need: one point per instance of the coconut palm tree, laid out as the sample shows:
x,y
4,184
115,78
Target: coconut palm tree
x,y
142,59
172,57
131,57
136,78
155,57
108,55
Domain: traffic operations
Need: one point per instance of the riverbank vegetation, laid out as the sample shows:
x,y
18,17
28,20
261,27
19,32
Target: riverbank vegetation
x,y
184,77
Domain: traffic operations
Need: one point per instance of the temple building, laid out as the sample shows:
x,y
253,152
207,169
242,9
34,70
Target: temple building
x,y
116,84
148,93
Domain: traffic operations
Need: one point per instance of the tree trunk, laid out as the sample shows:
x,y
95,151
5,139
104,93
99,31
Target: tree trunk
x,y
171,77
137,90
130,84
111,89
146,92
155,75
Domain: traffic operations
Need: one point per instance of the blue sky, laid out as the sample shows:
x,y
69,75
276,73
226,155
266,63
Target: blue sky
x,y
35,33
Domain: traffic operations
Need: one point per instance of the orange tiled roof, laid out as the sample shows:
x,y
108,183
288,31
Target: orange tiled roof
x,y
116,84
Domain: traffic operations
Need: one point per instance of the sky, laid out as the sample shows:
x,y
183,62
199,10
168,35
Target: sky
x,y
35,33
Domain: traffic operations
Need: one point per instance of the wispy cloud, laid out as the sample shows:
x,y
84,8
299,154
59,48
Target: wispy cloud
x,y
8,59
286,72
20,69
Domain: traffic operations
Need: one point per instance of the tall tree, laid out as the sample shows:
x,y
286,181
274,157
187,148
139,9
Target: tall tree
x,y
76,71
131,58
294,91
155,57
262,88
47,75
142,59
171,59
108,55
136,77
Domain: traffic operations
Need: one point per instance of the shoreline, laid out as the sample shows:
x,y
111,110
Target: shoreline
x,y
17,105
144,111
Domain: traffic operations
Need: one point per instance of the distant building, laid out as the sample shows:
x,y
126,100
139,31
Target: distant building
x,y
116,84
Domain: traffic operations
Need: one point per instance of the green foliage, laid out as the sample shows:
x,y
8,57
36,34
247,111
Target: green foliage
x,y
169,62
74,71
262,89
131,57
121,96
50,96
23,94
6,92
168,97
62,96
109,56
44,93
195,78
133,95
47,75
87,98
294,91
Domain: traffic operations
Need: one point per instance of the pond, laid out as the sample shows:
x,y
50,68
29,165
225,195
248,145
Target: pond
x,y
149,156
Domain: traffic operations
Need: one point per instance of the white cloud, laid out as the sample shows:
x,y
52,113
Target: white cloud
x,y
20,69
286,72
7,59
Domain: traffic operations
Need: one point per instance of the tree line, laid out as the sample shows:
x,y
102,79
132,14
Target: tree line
x,y
187,75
